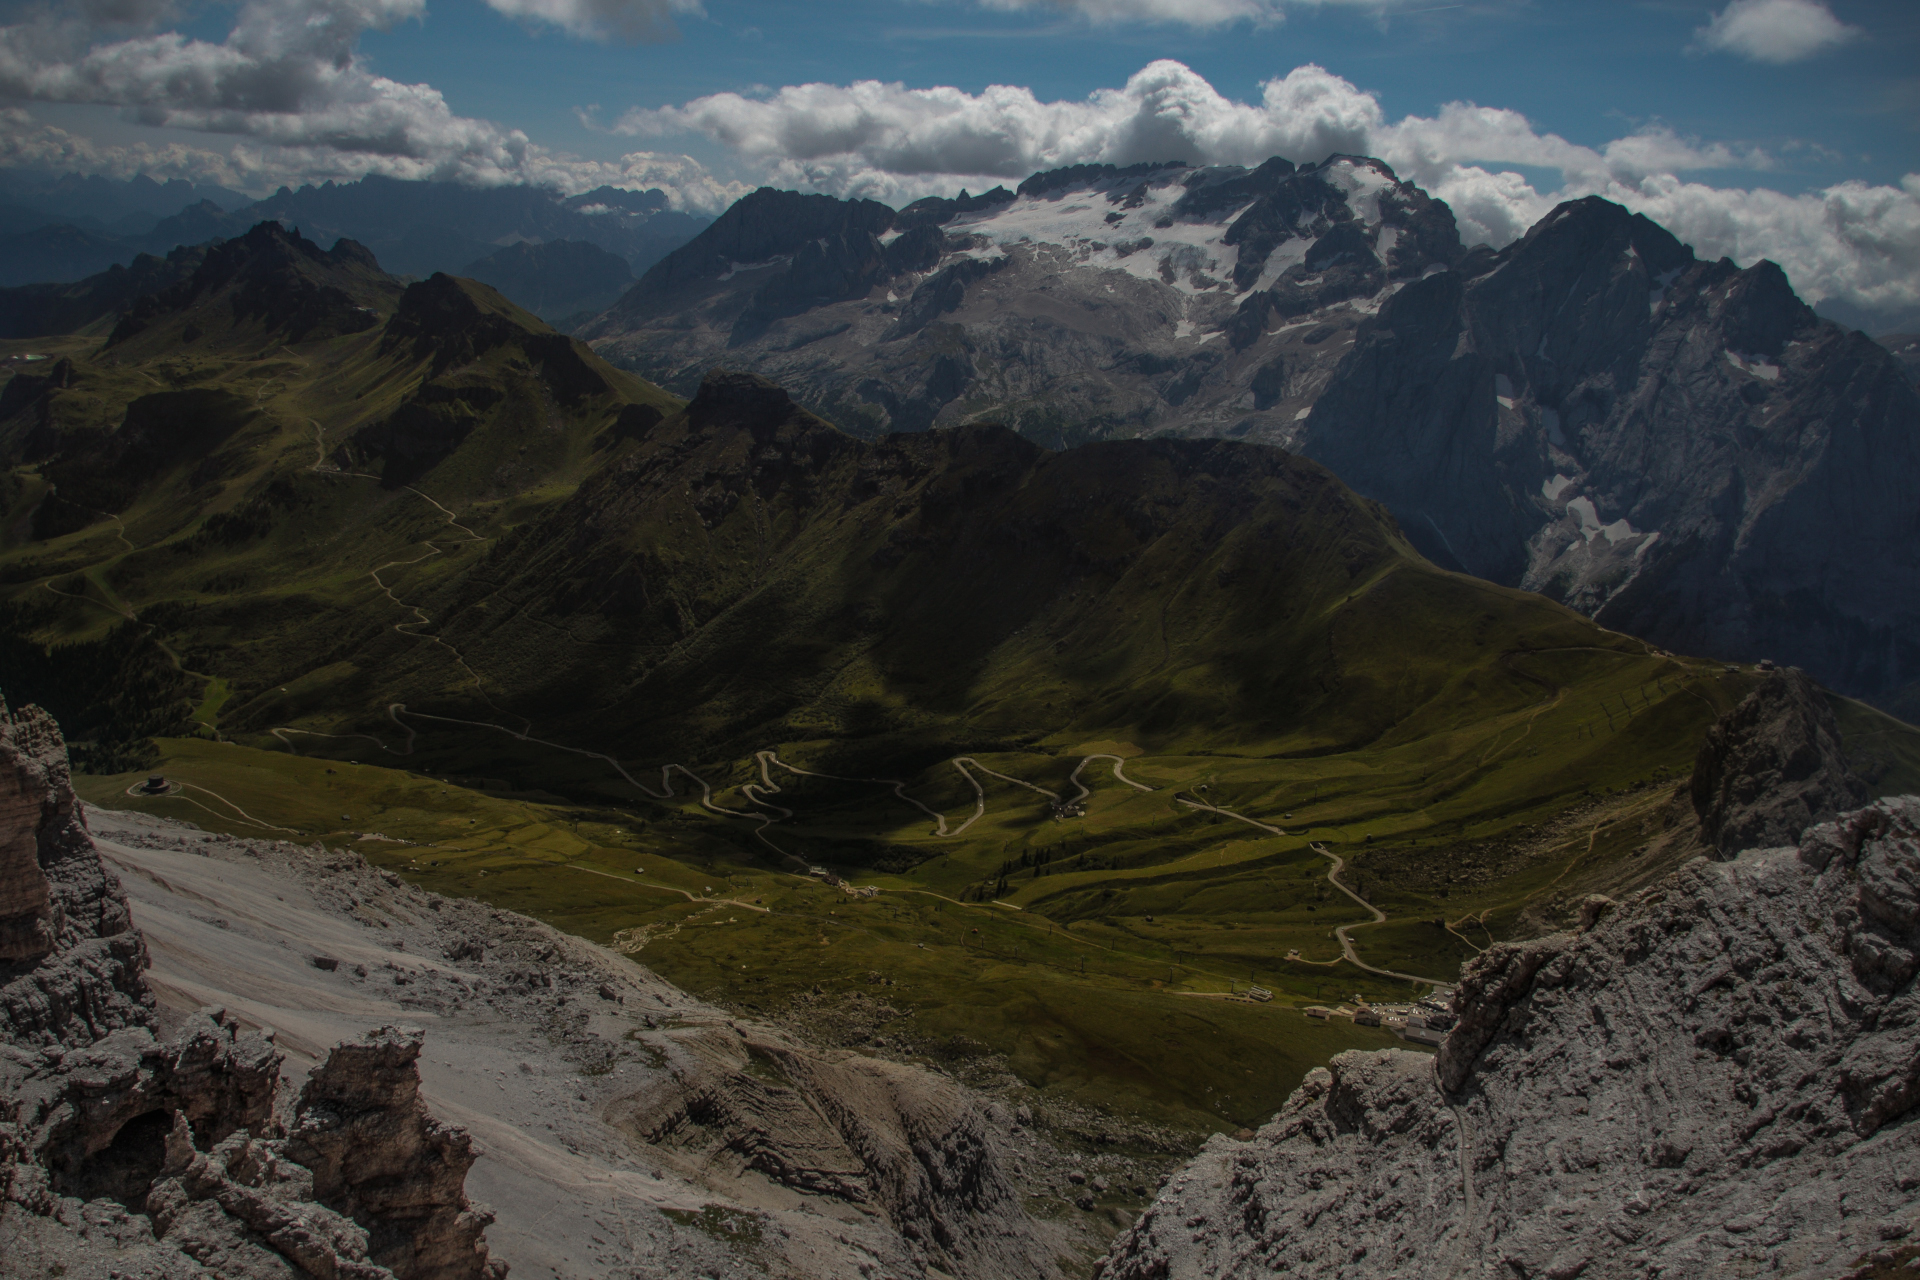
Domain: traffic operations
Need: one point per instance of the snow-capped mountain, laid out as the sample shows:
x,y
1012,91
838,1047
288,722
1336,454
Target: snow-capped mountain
x,y
1681,448
1092,301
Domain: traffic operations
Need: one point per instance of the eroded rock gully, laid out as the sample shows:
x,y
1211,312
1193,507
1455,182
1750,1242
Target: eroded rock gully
x,y
1718,1077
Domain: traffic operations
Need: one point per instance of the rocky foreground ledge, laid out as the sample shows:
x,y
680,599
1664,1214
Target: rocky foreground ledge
x,y
1719,1076
133,1144
299,1065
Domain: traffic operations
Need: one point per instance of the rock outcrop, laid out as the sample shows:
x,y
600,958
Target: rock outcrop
x,y
380,1157
157,1150
887,1138
70,961
1772,767
1718,1077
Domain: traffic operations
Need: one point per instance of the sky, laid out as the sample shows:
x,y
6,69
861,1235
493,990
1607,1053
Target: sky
x,y
1787,129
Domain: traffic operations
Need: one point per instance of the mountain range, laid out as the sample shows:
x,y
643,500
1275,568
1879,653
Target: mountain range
x,y
1194,706
1679,448
416,228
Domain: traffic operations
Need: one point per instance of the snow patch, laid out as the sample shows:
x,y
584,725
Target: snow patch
x,y
1555,487
1581,509
1363,184
735,268
1615,531
1755,366
1303,414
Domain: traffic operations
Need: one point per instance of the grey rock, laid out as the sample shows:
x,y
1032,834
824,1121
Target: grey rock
x,y
1720,1077
1660,442
1089,303
1772,767
161,1156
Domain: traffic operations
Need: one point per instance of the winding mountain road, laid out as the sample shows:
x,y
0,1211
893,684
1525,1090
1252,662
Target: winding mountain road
x,y
1333,878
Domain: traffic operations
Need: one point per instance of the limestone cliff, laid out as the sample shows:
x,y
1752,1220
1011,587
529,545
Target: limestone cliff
x,y
162,1155
70,961
1719,1077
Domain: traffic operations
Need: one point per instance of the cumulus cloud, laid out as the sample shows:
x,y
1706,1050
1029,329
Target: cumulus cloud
x,y
289,85
871,135
1773,30
1857,242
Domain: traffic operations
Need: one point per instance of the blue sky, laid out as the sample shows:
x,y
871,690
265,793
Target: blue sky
x,y
1589,70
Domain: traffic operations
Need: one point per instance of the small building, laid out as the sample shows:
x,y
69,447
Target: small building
x,y
1259,993
1318,1011
155,784
1424,1035
1366,1018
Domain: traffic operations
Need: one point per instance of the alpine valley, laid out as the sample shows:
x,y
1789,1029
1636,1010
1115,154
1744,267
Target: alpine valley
x,y
1032,677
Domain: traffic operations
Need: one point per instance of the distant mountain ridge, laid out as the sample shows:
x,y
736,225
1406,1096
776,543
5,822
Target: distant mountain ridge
x,y
415,228
1681,448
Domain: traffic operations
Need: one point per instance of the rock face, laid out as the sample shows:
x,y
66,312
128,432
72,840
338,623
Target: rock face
x,y
869,1133
1719,1077
1681,449
70,961
1092,302
380,1157
1772,767
160,1153
26,905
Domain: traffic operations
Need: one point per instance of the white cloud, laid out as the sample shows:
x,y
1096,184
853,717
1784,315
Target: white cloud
x,y
1774,30
875,133
604,19
289,84
885,141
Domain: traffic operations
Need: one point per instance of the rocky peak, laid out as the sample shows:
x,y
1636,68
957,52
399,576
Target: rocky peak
x,y
1778,1057
381,1158
758,227
1595,414
1772,767
275,278
937,210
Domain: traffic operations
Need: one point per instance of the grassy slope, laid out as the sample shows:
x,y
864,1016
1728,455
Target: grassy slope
x,y
1237,625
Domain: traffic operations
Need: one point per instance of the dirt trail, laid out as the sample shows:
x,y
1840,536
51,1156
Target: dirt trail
x,y
687,893
1333,878
245,817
